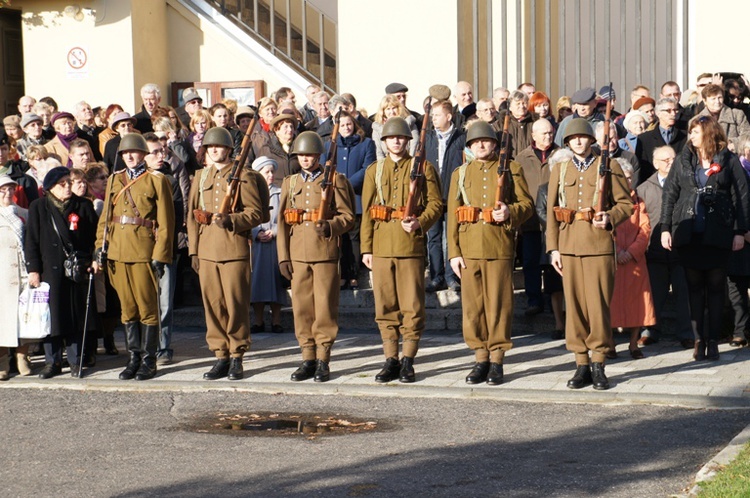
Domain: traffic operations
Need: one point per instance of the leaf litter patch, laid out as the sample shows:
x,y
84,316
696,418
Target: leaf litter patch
x,y
282,424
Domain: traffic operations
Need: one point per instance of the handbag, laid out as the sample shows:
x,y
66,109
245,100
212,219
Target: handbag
x,y
34,320
76,263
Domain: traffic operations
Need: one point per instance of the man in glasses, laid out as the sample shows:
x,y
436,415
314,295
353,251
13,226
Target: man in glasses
x,y
665,133
672,90
156,160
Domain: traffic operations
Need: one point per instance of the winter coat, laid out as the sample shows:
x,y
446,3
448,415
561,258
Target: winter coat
x,y
453,158
13,277
353,156
45,255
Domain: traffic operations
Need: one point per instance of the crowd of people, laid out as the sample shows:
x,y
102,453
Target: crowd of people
x,y
508,179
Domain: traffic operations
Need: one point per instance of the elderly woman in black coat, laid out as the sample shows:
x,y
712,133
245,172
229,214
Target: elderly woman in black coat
x,y
705,210
57,223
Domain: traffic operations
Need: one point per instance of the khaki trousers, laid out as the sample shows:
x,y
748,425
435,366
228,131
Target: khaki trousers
x,y
136,287
315,303
398,287
487,301
588,284
225,288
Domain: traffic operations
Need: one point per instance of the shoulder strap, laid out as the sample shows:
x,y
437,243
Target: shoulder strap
x,y
126,187
561,185
204,176
461,184
292,185
63,244
379,179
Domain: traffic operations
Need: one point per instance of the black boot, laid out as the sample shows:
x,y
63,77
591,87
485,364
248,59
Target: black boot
x,y
50,370
149,345
495,375
581,378
712,351
133,342
305,371
407,371
389,372
322,372
235,369
600,381
479,373
219,370
699,354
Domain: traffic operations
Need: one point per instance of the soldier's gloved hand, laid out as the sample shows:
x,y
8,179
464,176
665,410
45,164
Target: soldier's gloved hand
x,y
158,268
223,221
100,257
195,263
323,229
285,268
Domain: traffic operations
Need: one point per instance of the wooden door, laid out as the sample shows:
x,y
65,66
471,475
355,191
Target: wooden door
x,y
11,61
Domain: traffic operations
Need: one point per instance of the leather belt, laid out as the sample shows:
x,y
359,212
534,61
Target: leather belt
x,y
128,220
584,215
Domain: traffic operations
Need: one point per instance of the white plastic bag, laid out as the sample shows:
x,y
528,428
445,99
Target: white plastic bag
x,y
33,312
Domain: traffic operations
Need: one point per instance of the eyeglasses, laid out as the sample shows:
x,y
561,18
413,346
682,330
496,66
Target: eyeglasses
x,y
672,110
665,160
159,152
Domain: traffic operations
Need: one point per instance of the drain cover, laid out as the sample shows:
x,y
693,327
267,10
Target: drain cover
x,y
282,424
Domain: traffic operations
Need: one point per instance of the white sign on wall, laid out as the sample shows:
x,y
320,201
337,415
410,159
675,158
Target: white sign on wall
x,y
77,63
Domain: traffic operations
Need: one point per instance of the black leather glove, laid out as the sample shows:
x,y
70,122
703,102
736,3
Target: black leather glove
x,y
195,263
323,229
158,268
225,222
285,268
101,257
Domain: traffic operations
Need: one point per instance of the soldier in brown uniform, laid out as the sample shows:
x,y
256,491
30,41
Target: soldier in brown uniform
x,y
481,246
393,248
581,247
135,237
308,251
220,252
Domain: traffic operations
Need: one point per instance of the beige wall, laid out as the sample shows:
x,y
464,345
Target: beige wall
x,y
104,33
412,42
150,46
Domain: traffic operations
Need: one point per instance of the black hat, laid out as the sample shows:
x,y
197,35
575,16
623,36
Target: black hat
x,y
583,96
55,175
3,138
396,88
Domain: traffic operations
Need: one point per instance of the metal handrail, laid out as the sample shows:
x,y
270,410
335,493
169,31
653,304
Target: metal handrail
x,y
286,53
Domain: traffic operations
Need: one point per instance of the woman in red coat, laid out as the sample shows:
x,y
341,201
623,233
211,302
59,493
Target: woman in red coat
x,y
632,302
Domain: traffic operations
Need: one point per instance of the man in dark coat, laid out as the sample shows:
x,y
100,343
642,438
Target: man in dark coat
x,y
672,90
86,128
444,145
666,133
151,97
323,123
123,124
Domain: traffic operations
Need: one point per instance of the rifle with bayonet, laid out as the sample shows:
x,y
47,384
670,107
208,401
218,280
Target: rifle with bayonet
x,y
503,171
417,171
604,182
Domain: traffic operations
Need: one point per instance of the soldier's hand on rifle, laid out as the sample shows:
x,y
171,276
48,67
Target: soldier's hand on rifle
x,y
501,214
601,220
556,261
410,225
323,228
158,268
285,268
223,221
458,264
195,263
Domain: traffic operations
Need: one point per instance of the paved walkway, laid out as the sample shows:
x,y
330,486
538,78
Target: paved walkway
x,y
537,370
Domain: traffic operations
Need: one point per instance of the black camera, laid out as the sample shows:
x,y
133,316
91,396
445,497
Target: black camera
x,y
707,195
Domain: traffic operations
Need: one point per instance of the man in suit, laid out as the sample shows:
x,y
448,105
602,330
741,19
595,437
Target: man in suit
x,y
666,133
482,250
444,146
579,240
151,97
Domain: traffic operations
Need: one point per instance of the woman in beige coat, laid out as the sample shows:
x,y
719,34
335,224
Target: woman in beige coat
x,y
13,277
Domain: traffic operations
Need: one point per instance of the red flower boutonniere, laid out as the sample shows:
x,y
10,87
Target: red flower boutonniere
x,y
715,168
73,219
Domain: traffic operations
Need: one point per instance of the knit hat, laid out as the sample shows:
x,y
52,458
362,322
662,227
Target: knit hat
x,y
6,180
55,175
606,92
263,161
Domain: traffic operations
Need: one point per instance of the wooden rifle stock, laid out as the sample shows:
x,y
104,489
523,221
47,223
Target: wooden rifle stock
x,y
603,183
329,173
502,168
229,200
417,172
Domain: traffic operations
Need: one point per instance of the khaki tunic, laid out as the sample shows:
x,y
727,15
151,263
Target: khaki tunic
x,y
315,282
131,248
225,256
588,256
398,257
488,252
